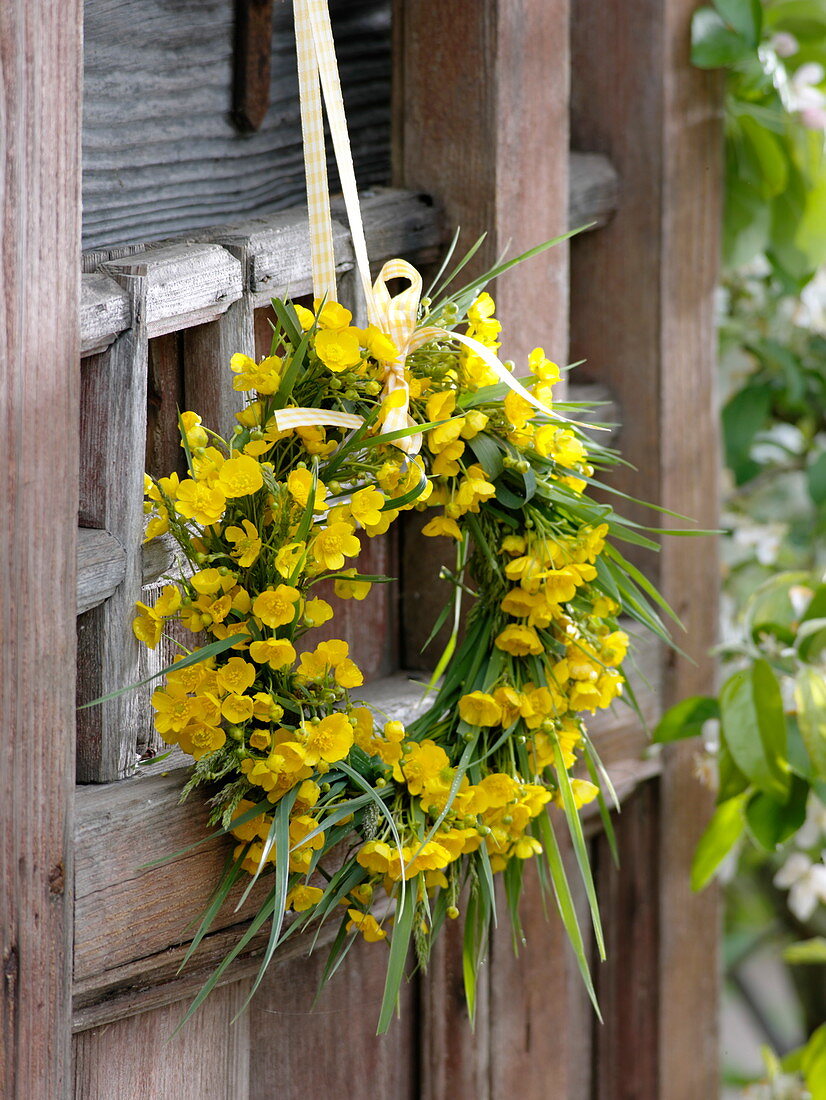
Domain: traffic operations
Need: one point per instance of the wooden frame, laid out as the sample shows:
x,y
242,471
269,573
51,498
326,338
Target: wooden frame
x,y
40,75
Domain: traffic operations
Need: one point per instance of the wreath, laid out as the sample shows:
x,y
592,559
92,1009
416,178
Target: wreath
x,y
353,817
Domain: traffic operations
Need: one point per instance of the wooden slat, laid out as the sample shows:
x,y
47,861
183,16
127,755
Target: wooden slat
x,y
331,1049
186,284
161,154
481,147
104,312
662,134
101,566
274,250
593,190
113,435
139,1057
627,1055
40,97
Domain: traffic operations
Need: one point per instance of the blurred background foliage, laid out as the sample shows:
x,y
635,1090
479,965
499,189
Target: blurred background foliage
x,y
764,733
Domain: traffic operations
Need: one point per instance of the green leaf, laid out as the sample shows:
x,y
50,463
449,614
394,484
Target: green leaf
x,y
754,727
731,780
743,416
772,823
806,952
813,1063
685,719
810,697
722,833
399,945
745,17
488,453
763,160
816,479
714,45
811,639
747,221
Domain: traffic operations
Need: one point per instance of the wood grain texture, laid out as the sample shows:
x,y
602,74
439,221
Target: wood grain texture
x,y
101,566
657,119
252,63
493,151
104,312
112,437
161,153
626,1045
332,1049
139,1058
40,345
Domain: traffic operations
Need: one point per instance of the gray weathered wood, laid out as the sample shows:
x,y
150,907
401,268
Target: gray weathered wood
x,y
593,190
101,566
161,155
190,284
40,95
113,438
104,312
186,284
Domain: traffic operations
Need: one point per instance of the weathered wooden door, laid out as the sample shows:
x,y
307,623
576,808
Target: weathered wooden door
x,y
488,96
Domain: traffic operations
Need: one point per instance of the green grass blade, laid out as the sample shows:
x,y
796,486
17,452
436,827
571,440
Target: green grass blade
x,y
399,946
580,847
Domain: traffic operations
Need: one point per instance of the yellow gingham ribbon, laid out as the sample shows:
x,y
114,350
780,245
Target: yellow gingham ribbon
x,y
396,315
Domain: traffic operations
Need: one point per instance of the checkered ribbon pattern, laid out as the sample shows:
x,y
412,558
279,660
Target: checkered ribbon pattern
x,y
396,314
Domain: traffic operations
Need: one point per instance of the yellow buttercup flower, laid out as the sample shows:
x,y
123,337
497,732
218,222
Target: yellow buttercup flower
x,y
332,544
301,898
519,640
329,740
338,350
288,558
349,588
264,377
246,543
299,484
276,606
193,432
275,652
317,612
367,924
236,675
239,477
480,709
198,501
366,506
333,316
443,525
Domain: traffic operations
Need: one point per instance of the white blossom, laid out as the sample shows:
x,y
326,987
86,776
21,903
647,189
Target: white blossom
x,y
806,883
813,829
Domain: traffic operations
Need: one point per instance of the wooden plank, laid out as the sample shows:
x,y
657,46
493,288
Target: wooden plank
x,y
186,284
501,178
104,312
473,158
113,433
662,134
40,344
101,567
139,1057
274,249
161,153
331,1049
627,1050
